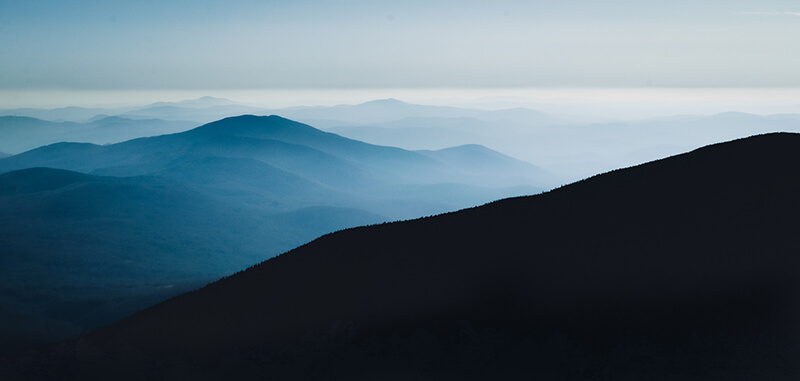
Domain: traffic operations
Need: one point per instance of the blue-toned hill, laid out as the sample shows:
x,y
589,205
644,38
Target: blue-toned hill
x,y
80,251
343,171
131,223
19,134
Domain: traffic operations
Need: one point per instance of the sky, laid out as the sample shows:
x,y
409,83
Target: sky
x,y
147,45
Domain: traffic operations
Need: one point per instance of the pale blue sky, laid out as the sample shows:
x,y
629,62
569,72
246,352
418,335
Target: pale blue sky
x,y
146,44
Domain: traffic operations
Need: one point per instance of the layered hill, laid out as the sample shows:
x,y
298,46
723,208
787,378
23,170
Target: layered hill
x,y
392,110
93,233
19,134
295,165
683,268
201,110
80,251
572,146
572,149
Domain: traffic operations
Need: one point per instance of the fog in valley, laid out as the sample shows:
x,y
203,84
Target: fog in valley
x,y
570,133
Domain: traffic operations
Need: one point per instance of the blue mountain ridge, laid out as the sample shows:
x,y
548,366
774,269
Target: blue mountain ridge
x,y
93,233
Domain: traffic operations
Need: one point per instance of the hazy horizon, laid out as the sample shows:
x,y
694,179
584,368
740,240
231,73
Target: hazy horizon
x,y
612,103
615,59
244,44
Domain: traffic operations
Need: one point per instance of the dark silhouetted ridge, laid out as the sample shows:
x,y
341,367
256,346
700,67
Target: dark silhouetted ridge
x,y
683,268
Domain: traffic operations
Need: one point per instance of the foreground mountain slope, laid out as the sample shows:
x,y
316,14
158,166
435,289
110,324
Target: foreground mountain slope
x,y
683,268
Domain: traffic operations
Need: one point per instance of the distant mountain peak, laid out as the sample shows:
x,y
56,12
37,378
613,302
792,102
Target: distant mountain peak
x,y
206,101
208,98
386,101
467,147
110,118
734,114
255,118
258,126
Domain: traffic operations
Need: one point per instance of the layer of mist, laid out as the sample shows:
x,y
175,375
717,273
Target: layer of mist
x,y
571,145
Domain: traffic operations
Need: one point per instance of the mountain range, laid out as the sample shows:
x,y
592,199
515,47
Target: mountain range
x,y
570,146
323,167
93,233
208,109
681,268
572,150
19,134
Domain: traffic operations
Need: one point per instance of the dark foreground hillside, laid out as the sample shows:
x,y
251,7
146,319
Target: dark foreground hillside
x,y
681,269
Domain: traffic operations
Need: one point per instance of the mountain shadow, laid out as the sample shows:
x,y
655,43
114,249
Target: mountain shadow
x,y
683,268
